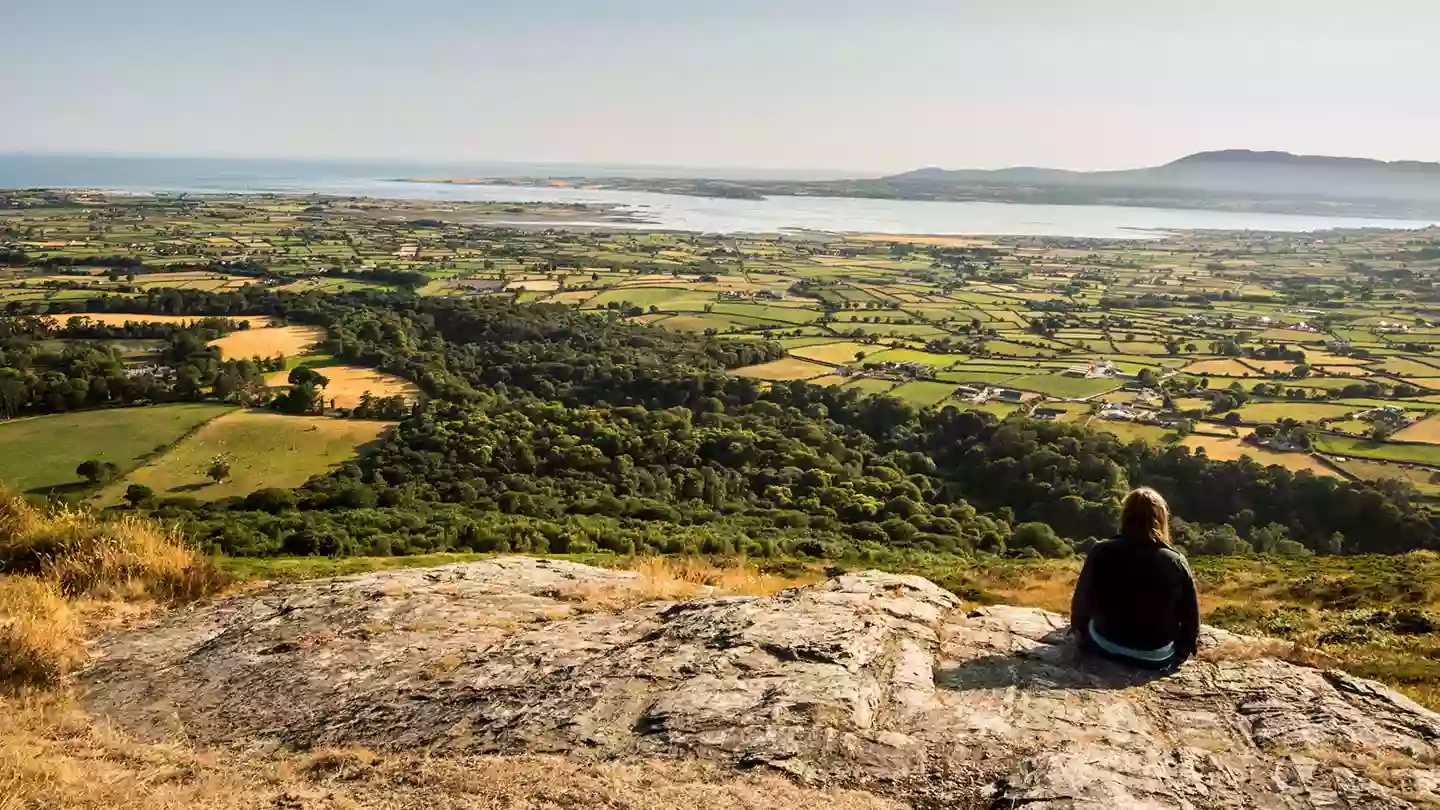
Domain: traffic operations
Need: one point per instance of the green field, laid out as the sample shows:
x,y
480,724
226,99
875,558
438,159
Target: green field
x,y
41,453
1130,431
1060,385
263,449
870,386
1031,309
923,393
1391,451
1299,411
839,352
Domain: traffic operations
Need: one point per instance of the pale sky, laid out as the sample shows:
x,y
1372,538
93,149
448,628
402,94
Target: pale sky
x,y
874,85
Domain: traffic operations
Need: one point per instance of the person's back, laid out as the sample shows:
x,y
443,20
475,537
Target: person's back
x,y
1136,599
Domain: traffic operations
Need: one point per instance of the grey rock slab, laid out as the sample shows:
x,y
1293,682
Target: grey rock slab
x,y
869,679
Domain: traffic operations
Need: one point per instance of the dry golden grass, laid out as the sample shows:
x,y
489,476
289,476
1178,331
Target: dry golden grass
x,y
1221,366
81,554
287,340
54,755
1221,448
39,638
60,565
1268,366
786,368
670,579
1047,586
1426,430
1253,648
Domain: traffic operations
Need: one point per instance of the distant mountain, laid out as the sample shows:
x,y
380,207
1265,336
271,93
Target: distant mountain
x,y
1230,180
1226,172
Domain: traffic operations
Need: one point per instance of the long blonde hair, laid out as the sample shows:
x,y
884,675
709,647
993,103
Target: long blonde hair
x,y
1145,517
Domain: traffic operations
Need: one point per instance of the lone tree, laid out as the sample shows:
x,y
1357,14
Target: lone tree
x,y
138,495
96,471
218,470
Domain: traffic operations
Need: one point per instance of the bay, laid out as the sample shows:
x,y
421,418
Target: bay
x,y
645,209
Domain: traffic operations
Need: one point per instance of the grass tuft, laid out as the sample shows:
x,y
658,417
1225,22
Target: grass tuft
x,y
82,554
39,637
55,561
671,579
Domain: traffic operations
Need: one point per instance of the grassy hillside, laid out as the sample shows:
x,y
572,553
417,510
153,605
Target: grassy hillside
x,y
40,454
264,450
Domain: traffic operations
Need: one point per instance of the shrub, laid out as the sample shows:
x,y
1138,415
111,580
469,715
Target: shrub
x,y
1039,538
80,554
39,638
138,495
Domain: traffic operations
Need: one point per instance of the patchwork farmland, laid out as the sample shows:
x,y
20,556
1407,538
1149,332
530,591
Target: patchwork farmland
x,y
1311,351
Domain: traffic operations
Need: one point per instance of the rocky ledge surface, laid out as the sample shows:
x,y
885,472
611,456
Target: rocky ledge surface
x,y
870,680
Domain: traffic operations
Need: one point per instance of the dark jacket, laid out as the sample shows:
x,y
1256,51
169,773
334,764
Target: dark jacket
x,y
1140,595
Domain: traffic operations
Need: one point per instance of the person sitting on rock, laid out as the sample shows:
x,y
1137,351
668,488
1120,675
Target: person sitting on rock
x,y
1135,602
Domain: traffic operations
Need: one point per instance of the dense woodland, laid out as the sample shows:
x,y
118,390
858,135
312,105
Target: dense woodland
x,y
544,428
57,365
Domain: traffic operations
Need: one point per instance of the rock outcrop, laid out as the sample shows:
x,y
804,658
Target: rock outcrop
x,y
869,680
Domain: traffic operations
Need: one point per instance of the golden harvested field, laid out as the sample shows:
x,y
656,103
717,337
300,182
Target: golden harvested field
x,y
842,352
573,297
1223,449
348,383
287,340
257,322
1426,430
264,450
688,323
1271,365
1327,359
1223,366
1291,336
534,285
786,368
1183,404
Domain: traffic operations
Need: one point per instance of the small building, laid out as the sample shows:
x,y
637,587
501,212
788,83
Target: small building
x,y
1389,415
1118,413
1048,414
1010,395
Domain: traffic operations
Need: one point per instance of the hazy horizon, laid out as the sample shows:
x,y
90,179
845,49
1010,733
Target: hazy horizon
x,y
832,87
